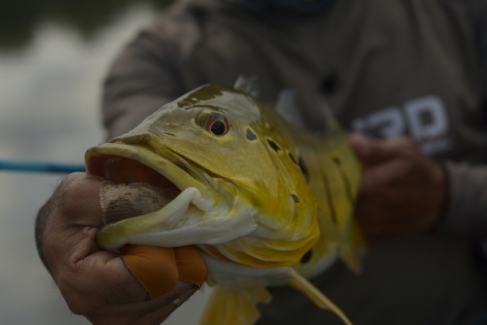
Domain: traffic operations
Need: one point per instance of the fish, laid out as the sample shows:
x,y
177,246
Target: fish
x,y
265,202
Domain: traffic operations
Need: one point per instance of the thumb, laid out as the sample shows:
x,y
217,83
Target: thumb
x,y
372,151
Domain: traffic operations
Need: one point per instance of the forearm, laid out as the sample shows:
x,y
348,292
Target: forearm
x,y
466,211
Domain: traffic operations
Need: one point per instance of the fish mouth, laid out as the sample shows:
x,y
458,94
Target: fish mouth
x,y
203,210
124,164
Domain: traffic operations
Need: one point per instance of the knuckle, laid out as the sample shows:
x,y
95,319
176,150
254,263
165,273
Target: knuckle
x,y
71,178
74,191
71,185
67,189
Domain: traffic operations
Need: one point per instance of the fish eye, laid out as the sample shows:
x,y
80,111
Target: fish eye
x,y
217,124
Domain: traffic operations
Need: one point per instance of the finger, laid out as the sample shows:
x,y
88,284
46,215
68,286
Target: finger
x,y
122,286
161,314
398,198
376,151
73,206
80,200
387,230
381,194
141,308
156,317
380,224
157,310
181,289
99,284
378,181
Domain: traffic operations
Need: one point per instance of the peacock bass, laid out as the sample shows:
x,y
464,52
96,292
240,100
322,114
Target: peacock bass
x,y
265,202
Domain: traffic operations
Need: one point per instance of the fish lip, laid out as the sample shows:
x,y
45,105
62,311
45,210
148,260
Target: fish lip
x,y
173,173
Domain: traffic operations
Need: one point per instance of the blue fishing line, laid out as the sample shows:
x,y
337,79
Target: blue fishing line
x,y
40,167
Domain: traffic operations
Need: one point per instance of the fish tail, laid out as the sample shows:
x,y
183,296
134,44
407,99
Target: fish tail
x,y
355,248
234,307
300,283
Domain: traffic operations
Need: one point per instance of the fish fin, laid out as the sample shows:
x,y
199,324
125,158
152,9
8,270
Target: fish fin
x,y
287,108
247,84
352,253
300,283
329,118
234,307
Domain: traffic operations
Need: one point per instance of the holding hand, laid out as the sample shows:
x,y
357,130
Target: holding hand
x,y
403,192
93,282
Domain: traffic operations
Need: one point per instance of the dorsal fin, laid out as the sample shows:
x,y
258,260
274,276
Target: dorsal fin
x,y
328,117
287,108
247,84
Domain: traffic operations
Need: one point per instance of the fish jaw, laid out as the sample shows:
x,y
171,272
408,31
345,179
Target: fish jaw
x,y
140,230
123,163
179,223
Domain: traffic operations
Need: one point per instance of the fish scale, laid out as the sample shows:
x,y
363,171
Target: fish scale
x,y
265,202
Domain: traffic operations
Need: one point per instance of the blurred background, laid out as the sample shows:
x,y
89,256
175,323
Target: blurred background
x,y
53,57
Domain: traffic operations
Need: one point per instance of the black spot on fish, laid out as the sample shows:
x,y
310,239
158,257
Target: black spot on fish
x,y
251,135
295,198
306,257
273,145
293,159
303,167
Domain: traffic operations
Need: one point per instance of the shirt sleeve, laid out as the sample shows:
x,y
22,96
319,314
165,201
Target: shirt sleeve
x,y
147,73
476,14
466,213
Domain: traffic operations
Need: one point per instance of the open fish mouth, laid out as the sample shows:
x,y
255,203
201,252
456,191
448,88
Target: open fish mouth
x,y
122,170
124,164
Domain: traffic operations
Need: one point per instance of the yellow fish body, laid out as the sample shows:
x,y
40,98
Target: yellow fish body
x,y
266,203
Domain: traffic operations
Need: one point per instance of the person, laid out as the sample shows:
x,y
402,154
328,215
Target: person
x,y
408,75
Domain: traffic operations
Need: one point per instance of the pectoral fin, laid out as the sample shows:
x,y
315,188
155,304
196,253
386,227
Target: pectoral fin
x,y
234,307
300,283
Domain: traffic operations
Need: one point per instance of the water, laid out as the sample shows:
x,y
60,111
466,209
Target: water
x,y
53,58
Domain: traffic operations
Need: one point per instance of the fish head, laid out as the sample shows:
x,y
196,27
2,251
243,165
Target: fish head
x,y
238,155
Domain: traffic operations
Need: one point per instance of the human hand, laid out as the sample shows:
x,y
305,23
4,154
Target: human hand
x,y
93,282
402,192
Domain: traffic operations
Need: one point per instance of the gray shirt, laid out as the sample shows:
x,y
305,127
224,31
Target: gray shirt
x,y
386,68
